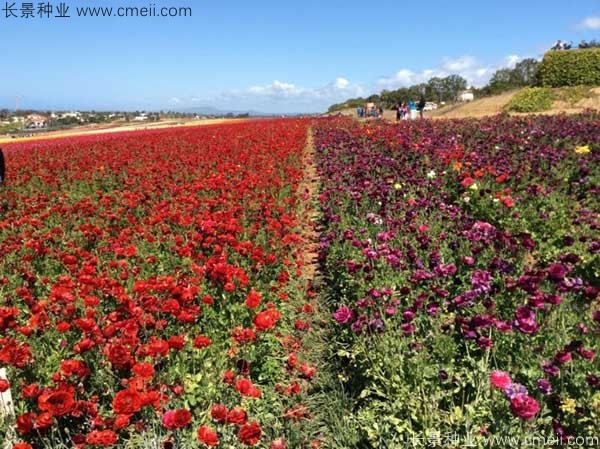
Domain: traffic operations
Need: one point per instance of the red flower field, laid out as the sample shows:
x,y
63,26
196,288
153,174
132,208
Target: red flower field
x,y
150,286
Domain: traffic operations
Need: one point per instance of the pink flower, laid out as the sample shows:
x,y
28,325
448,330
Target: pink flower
x,y
500,379
524,407
343,314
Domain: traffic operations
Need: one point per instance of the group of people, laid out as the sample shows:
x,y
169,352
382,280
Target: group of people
x,y
408,110
560,45
369,111
404,110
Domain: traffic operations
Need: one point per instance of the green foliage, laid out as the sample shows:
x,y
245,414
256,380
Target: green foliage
x,y
531,99
570,68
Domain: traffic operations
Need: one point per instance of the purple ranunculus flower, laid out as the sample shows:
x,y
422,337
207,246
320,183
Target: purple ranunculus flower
x,y
481,280
550,369
525,320
557,271
407,328
481,232
544,386
433,308
514,390
377,325
408,315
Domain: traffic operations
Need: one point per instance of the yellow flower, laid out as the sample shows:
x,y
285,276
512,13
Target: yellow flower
x,y
568,405
397,186
582,149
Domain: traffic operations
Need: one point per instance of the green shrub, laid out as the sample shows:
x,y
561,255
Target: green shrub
x,y
531,99
570,68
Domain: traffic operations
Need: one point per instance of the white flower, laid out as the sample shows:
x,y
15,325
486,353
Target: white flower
x,y
431,174
466,199
474,186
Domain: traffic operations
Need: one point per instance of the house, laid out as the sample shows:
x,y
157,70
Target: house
x,y
140,118
36,121
70,115
466,95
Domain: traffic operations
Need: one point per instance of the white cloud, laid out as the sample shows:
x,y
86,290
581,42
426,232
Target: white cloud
x,y
476,73
590,23
340,88
276,89
341,83
460,64
281,96
175,100
511,61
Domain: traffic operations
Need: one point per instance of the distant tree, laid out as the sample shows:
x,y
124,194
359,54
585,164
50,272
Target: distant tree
x,y
501,81
437,89
454,84
525,72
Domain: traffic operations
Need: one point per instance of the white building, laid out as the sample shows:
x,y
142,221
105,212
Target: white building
x,y
466,95
140,118
36,121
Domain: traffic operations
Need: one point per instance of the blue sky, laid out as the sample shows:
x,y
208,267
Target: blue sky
x,y
272,56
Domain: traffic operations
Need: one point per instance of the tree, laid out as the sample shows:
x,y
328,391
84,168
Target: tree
x,y
525,72
501,81
453,85
437,88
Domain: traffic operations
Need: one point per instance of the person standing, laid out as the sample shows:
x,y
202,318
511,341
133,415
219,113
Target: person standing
x,y
421,106
412,106
2,168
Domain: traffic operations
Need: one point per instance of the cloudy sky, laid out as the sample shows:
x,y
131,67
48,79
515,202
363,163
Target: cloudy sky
x,y
269,56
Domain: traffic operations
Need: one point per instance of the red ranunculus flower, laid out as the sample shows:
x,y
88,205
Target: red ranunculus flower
x,y
25,423
250,433
246,388
525,407
218,412
127,402
237,416
253,299
176,419
208,436
201,342
57,403
101,438
22,446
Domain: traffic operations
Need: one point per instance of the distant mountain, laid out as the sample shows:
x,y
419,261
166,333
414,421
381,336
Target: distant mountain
x,y
211,110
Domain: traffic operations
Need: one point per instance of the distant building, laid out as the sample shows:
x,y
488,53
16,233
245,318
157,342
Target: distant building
x,y
141,117
466,95
36,121
69,115
430,106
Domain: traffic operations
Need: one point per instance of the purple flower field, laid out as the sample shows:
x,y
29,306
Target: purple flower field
x,y
462,268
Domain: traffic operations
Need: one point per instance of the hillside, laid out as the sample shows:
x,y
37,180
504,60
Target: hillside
x,y
494,105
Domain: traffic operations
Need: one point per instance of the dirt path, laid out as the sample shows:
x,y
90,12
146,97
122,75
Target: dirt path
x,y
309,189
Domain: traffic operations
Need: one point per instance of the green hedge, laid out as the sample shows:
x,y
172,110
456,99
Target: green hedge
x,y
570,68
531,99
